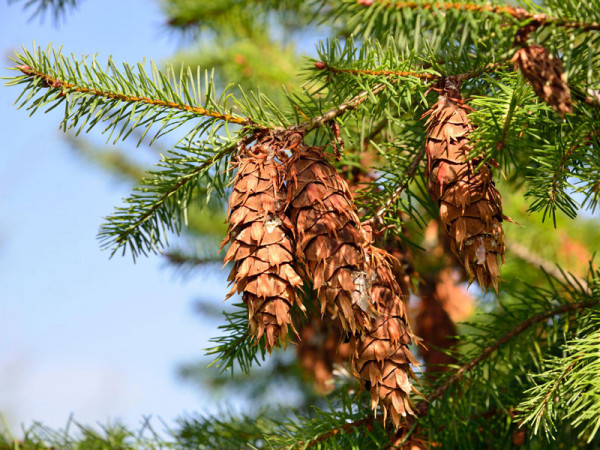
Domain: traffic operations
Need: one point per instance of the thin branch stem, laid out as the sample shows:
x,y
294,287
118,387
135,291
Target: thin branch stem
x,y
507,337
427,76
334,112
384,73
492,67
516,13
55,83
556,384
408,176
527,255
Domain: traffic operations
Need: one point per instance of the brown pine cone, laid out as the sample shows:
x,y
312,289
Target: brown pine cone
x,y
470,205
262,245
546,76
382,359
329,238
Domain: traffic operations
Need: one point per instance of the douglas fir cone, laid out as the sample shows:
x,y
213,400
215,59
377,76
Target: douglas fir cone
x,y
262,245
470,205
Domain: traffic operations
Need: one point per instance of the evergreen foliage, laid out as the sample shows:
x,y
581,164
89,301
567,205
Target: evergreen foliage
x,y
524,370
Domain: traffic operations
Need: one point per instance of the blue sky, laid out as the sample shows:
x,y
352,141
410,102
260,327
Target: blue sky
x,y
82,333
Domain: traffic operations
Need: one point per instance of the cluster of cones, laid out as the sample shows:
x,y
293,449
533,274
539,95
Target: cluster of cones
x,y
293,226
293,223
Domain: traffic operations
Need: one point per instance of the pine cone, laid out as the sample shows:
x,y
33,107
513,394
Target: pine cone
x,y
470,205
382,358
329,237
546,76
262,245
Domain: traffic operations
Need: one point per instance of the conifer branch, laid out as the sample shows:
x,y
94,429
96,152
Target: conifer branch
x,y
505,10
125,100
507,337
556,384
48,81
427,76
163,197
367,422
408,176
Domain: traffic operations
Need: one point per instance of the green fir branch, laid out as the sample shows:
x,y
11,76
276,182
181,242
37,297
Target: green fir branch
x,y
78,436
509,121
493,372
237,347
503,10
342,426
160,203
121,100
225,431
569,387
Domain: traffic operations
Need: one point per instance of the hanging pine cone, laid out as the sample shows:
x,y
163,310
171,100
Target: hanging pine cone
x,y
329,238
546,76
382,359
262,245
470,205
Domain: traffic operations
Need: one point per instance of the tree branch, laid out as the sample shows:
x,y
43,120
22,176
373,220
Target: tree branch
x,y
54,83
334,112
412,73
528,256
507,337
408,176
516,13
385,73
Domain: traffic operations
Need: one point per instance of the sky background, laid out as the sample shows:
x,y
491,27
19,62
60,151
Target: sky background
x,y
83,334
